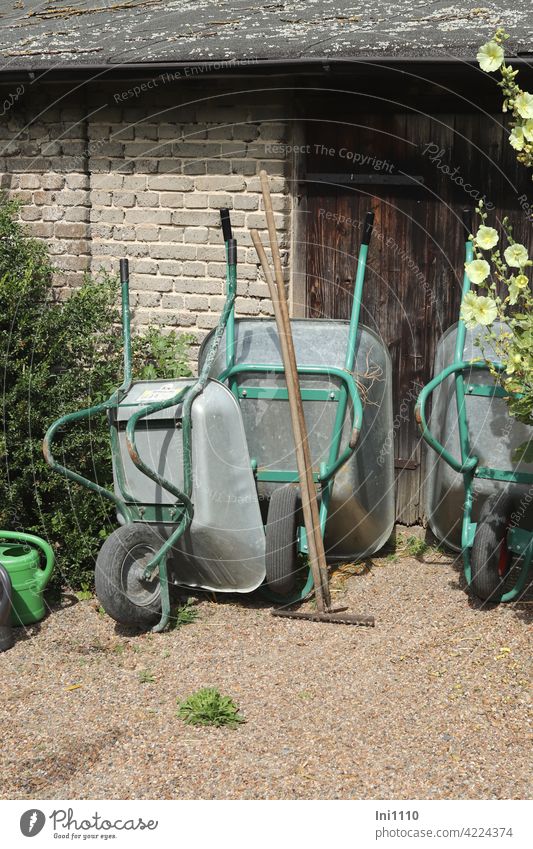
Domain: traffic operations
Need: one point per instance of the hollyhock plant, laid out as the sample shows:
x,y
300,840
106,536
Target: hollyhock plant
x,y
501,278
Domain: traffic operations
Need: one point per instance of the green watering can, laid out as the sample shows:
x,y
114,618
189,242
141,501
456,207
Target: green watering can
x,y
20,555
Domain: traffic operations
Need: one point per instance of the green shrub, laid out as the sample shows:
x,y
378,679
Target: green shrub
x,y
57,357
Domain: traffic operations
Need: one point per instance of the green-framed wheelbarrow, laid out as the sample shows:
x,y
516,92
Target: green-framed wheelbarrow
x,y
477,498
189,482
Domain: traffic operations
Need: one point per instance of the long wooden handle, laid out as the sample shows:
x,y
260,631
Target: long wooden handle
x,y
315,542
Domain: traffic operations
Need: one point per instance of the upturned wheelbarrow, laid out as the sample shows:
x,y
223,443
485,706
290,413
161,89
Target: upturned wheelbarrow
x,y
204,467
478,500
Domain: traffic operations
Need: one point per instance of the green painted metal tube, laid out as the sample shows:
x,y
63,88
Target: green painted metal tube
x,y
69,473
523,578
464,438
97,409
420,412
356,307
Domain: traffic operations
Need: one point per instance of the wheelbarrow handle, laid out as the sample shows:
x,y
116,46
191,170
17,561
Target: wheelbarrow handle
x,y
367,228
226,224
421,418
467,215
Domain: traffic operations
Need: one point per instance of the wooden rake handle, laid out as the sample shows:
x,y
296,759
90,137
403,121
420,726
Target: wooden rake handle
x,y
315,542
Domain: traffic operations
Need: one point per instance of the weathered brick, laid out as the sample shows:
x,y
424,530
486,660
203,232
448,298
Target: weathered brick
x,y
172,302
196,235
30,181
220,184
65,230
107,181
246,306
171,251
193,219
147,199
206,320
148,299
77,181
123,199
196,302
147,216
170,267
246,202
171,183
149,282
171,234
171,199
195,200
195,269
42,230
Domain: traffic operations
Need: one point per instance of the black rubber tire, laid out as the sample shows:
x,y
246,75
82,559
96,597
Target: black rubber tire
x,y
487,583
281,554
119,564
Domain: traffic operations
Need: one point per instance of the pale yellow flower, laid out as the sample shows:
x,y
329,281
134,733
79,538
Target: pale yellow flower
x,y
513,363
516,287
484,311
490,56
527,129
477,309
477,271
524,104
514,292
517,139
516,255
467,309
486,238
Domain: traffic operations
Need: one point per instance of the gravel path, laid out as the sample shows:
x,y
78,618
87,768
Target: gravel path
x,y
431,703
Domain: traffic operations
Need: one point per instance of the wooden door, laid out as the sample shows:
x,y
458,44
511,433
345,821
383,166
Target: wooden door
x,y
416,173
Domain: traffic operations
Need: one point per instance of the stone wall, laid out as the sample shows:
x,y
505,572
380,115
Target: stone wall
x,y
105,172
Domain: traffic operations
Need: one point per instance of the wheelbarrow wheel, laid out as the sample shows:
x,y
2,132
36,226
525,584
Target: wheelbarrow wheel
x,y
491,559
281,553
120,587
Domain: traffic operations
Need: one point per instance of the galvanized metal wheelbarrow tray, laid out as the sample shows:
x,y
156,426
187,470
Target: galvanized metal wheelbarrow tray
x,y
186,461
477,497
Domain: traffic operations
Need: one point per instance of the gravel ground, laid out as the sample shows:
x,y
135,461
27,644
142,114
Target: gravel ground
x,y
431,703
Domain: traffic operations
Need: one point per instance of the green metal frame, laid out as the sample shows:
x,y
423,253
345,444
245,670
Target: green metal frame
x,y
181,512
519,541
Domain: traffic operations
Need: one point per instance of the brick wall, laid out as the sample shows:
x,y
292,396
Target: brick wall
x,y
104,173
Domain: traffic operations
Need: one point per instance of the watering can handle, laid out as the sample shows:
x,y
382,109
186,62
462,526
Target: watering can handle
x,y
226,224
467,216
43,575
367,228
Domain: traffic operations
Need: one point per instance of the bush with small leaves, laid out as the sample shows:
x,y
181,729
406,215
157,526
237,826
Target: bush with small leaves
x,y
58,357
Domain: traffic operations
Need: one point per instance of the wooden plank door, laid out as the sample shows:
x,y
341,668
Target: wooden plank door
x,y
415,268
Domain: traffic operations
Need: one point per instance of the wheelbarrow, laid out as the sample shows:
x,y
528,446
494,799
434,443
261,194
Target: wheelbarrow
x,y
478,500
199,463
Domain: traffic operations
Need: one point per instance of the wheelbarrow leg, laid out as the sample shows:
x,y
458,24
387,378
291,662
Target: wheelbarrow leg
x,y
165,596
